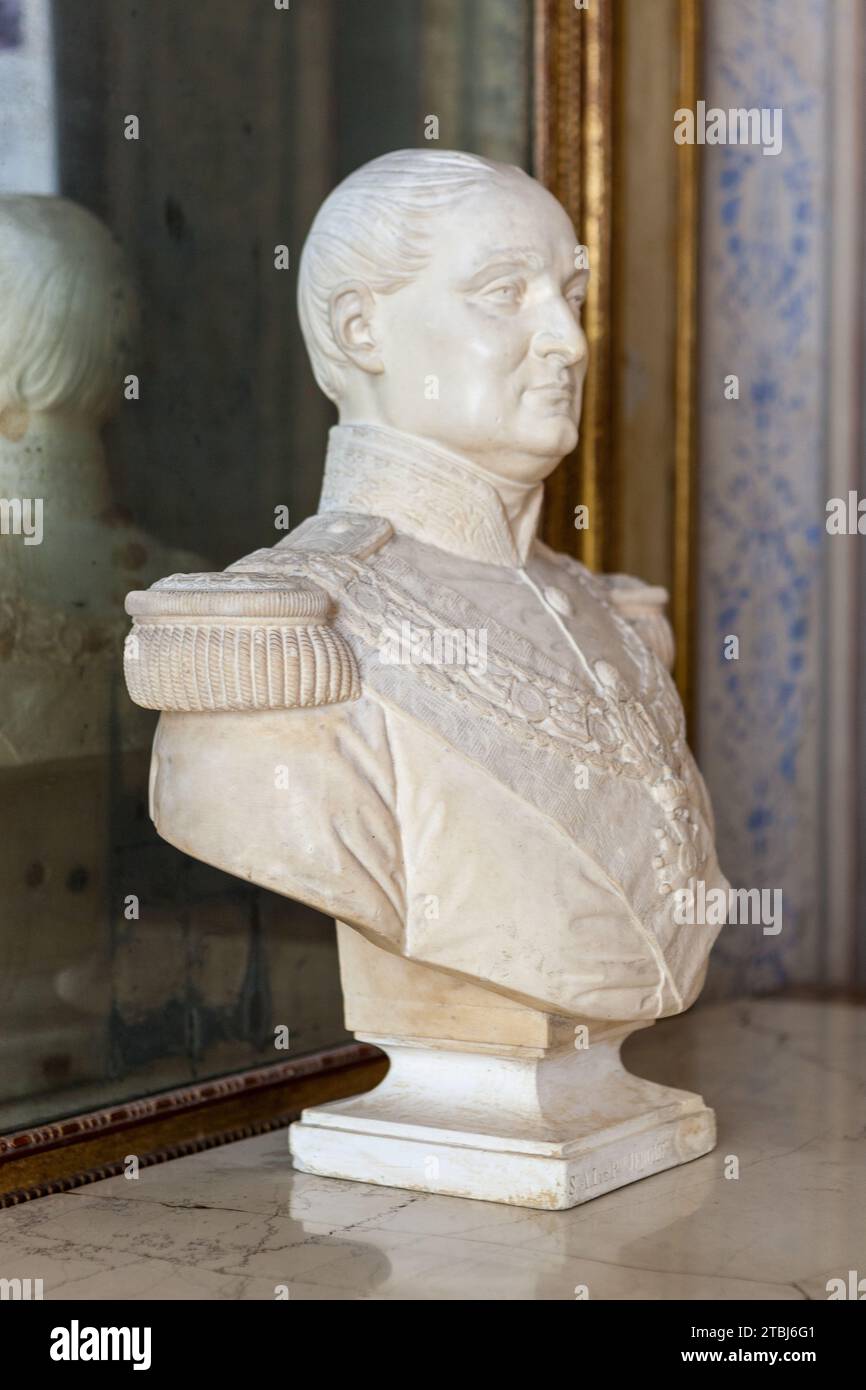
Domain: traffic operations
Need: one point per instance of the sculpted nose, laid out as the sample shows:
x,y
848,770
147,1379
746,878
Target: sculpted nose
x,y
561,336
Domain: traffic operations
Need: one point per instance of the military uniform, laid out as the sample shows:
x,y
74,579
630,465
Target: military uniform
x,y
519,814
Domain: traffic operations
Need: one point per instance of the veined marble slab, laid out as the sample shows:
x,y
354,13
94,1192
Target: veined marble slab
x,y
788,1082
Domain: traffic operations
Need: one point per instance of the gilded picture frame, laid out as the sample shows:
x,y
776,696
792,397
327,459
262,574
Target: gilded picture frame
x,y
599,128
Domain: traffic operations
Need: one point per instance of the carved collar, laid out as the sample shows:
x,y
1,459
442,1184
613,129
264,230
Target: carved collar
x,y
430,493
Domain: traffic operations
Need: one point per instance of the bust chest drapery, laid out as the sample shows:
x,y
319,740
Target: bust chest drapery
x,y
516,805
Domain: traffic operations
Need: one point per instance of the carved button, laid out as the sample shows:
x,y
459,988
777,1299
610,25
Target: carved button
x,y
559,602
532,703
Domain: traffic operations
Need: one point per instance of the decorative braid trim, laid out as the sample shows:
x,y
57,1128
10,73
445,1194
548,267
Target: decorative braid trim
x,y
228,596
192,667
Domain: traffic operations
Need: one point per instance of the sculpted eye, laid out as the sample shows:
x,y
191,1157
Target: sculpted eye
x,y
577,299
506,292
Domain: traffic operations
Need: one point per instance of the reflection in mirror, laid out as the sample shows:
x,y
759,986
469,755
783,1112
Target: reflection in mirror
x,y
157,414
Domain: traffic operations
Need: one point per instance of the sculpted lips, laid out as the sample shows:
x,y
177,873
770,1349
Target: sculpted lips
x,y
555,392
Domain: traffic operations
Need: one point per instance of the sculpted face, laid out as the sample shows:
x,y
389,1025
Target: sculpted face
x,y
492,323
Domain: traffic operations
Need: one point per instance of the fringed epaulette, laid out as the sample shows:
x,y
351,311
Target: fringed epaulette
x,y
236,641
256,636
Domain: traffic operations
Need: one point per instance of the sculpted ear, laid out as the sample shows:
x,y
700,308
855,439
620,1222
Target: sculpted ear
x,y
352,310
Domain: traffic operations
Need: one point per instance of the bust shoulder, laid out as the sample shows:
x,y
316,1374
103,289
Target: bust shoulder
x,y
257,635
642,605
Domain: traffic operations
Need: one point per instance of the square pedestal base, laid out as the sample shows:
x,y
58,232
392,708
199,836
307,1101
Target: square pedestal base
x,y
549,1132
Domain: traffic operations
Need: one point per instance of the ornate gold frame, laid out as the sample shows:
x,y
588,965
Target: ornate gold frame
x,y
684,567
573,157
577,74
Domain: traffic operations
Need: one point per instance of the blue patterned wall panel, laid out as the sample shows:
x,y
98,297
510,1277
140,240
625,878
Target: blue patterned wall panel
x,y
764,296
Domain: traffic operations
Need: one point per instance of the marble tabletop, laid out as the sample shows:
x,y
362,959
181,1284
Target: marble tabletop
x,y
786,1079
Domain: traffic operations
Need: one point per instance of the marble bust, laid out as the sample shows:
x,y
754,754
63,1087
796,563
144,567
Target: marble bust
x,y
463,746
69,320
68,556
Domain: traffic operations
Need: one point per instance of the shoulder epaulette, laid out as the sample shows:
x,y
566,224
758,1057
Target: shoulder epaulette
x,y
236,641
645,607
258,635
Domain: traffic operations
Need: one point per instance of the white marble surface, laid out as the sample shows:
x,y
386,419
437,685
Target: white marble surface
x,y
457,742
787,1083
548,1133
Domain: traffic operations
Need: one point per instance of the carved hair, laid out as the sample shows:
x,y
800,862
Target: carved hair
x,y
67,309
375,227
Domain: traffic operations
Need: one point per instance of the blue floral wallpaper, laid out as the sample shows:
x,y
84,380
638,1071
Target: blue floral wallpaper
x,y
764,293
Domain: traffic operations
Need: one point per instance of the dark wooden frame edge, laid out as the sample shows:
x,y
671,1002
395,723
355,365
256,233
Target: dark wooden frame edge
x,y
96,1144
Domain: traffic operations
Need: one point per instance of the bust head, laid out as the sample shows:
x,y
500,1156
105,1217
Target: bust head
x,y
69,313
438,294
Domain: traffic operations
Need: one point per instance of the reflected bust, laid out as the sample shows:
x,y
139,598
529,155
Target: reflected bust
x,y
413,715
